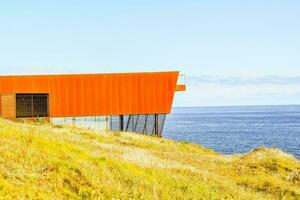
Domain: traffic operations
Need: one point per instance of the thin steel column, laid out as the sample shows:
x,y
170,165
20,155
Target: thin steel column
x,y
121,123
163,124
137,119
128,122
156,124
145,125
107,124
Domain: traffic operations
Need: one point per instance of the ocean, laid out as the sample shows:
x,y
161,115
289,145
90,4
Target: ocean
x,y
239,129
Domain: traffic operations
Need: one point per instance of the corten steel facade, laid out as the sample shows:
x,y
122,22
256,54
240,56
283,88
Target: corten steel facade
x,y
127,97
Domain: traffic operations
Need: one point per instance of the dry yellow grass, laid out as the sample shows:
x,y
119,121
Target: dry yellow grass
x,y
46,162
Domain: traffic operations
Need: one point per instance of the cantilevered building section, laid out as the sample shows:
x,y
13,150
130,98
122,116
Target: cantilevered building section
x,y
135,102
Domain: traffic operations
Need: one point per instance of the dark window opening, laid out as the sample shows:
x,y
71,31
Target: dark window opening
x,y
32,105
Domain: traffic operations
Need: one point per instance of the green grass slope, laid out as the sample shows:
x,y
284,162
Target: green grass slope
x,y
48,162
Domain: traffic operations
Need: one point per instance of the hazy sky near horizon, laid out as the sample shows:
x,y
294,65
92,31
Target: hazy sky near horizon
x,y
232,52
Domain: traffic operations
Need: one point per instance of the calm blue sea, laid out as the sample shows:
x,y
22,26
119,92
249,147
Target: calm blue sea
x,y
232,130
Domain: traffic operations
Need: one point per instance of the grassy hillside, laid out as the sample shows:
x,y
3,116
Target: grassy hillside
x,y
46,162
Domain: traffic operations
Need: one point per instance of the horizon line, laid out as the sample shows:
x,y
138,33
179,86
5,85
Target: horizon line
x,y
250,105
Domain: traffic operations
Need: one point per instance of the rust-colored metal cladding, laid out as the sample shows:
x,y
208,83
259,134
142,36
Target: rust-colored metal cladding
x,y
98,94
180,87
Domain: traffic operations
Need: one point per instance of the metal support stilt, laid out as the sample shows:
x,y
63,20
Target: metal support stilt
x,y
106,124
156,124
121,123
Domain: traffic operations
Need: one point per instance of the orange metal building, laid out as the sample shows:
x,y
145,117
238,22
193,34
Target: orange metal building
x,y
119,94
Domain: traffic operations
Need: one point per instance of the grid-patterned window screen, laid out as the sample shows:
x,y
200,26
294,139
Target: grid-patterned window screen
x,y
32,105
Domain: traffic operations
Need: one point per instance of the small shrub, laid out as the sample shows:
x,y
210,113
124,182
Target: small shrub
x,y
117,133
57,126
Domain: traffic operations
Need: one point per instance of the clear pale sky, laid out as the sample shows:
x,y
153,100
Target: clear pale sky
x,y
232,52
